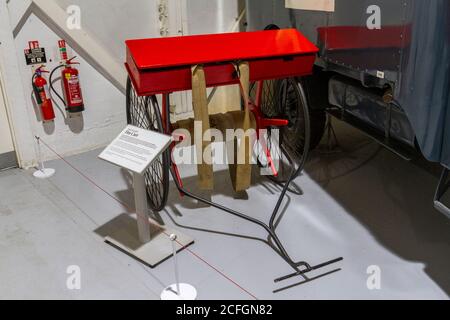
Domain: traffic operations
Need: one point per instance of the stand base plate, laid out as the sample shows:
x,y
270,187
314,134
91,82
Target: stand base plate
x,y
188,293
124,237
44,173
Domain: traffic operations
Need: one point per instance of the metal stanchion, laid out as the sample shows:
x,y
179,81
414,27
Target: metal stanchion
x,y
178,291
42,172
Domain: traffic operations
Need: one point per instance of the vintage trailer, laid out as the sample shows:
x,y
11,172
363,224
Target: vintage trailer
x,y
383,67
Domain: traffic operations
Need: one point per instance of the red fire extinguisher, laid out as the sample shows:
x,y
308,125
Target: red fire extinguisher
x,y
42,94
72,88
70,77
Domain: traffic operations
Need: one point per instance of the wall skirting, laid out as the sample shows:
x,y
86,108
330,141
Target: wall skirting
x,y
8,160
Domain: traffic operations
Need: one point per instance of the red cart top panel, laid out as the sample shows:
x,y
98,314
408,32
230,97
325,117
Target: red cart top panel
x,y
203,49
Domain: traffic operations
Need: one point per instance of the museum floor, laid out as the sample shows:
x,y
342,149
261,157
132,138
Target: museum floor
x,y
364,204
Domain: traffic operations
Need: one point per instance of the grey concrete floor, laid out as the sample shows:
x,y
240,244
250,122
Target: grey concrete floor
x,y
364,204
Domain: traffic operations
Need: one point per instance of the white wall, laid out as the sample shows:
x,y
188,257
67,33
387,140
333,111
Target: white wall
x,y
214,16
112,22
105,104
6,142
109,23
13,90
211,16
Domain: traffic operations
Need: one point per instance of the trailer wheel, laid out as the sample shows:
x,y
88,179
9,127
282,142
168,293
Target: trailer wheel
x,y
144,112
286,99
318,117
275,105
318,123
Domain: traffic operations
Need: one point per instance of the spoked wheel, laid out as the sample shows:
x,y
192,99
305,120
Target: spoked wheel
x,y
270,109
144,112
292,106
285,99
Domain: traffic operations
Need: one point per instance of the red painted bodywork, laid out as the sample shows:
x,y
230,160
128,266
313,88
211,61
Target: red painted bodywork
x,y
357,37
163,65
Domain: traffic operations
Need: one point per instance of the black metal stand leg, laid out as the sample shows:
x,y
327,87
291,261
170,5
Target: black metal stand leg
x,y
273,236
443,187
309,269
332,141
270,229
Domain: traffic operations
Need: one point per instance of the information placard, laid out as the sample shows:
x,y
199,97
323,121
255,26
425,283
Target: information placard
x,y
136,149
314,5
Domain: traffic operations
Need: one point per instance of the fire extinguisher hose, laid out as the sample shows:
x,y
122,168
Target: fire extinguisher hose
x,y
51,84
35,90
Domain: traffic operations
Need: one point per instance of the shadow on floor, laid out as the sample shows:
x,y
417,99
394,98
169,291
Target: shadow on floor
x,y
123,229
391,197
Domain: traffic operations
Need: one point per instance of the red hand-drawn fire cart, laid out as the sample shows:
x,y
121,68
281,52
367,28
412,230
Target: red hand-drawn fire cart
x,y
163,66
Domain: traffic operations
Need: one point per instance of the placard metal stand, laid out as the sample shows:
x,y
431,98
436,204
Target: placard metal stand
x,y
150,242
154,245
